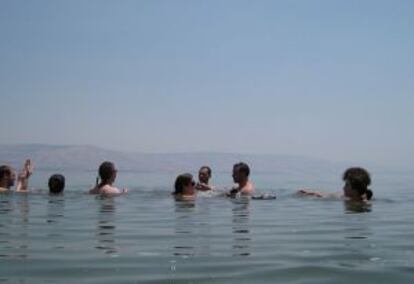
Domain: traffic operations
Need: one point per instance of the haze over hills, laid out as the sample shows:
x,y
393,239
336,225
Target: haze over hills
x,y
86,158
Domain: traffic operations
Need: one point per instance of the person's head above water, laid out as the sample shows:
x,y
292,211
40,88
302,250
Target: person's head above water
x,y
7,176
241,172
356,185
56,183
204,174
107,173
184,185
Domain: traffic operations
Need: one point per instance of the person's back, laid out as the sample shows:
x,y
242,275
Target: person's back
x,y
248,189
106,189
107,173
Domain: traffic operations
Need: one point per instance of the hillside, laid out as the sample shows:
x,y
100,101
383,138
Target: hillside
x,y
84,158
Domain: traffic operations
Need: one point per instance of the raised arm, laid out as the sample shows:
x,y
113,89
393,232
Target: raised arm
x,y
23,177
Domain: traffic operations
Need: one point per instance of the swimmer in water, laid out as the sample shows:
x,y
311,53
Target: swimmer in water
x,y
107,174
356,185
56,184
8,178
184,187
241,172
204,175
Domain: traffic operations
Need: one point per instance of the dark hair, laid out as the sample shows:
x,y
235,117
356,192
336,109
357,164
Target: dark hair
x,y
106,171
207,168
181,181
5,171
359,179
56,183
243,168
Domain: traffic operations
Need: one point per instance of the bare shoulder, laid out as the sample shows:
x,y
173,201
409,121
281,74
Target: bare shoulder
x,y
248,189
4,190
107,189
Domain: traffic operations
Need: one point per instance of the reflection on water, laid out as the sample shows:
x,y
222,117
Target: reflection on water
x,y
240,226
55,208
205,228
5,204
6,208
14,226
357,207
184,228
53,239
54,218
359,246
22,203
194,234
21,242
105,233
357,226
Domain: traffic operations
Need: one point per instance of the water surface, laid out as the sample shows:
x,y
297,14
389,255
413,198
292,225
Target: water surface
x,y
147,236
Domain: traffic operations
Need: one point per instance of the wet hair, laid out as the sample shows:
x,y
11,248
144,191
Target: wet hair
x,y
243,168
359,179
5,171
56,183
207,168
106,171
181,181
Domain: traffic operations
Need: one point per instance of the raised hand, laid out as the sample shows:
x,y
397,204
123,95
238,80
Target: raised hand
x,y
23,177
28,168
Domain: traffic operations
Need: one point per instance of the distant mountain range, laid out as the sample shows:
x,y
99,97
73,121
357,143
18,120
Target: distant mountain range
x,y
85,158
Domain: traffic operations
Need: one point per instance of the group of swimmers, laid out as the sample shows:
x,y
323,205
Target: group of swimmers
x,y
356,181
104,183
186,187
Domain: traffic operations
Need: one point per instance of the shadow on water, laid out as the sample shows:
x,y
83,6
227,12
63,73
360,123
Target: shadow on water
x,y
105,232
184,228
240,226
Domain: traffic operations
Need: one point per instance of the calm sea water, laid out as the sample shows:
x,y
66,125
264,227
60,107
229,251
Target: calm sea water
x,y
146,236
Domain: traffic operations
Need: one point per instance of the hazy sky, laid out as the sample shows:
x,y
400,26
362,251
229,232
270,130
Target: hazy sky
x,y
328,79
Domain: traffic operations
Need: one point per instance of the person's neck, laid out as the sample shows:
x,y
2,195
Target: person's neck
x,y
354,196
243,183
106,182
188,192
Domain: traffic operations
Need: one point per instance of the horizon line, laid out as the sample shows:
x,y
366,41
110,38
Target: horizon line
x,y
167,153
